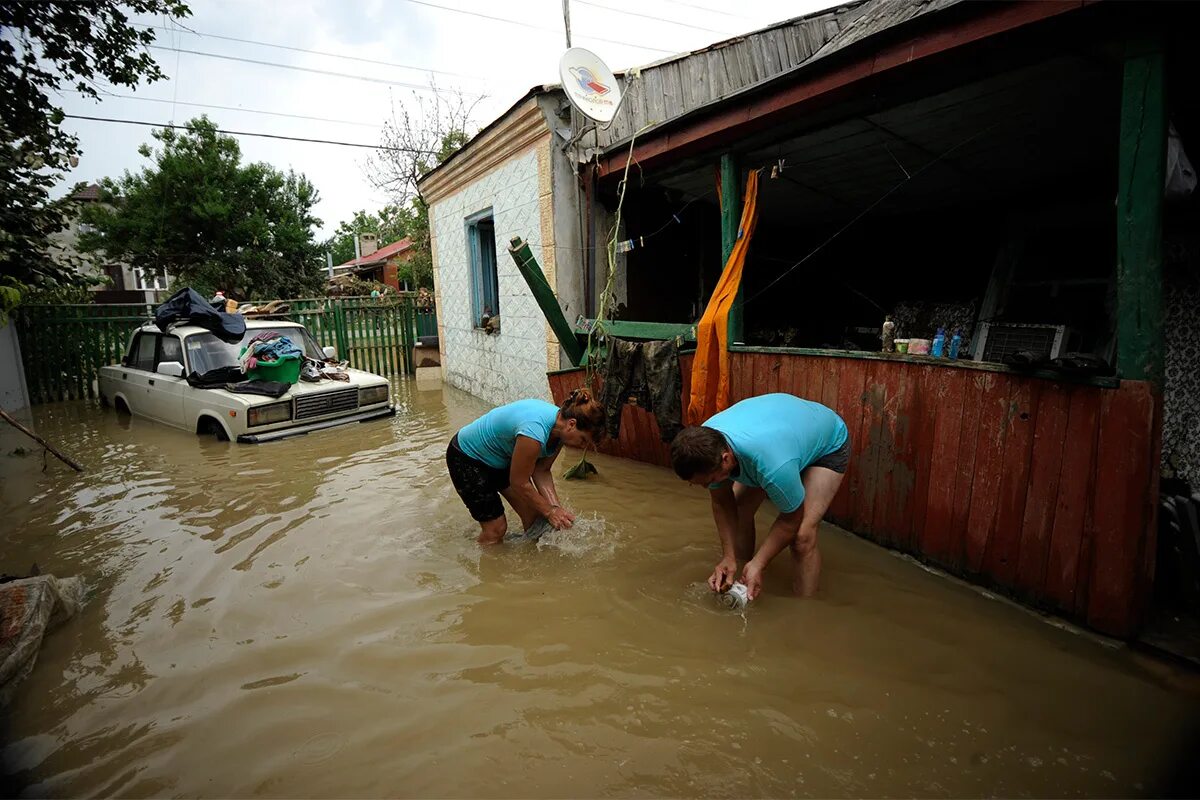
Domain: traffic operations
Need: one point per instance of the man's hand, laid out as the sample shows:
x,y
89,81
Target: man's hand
x,y
752,577
560,518
722,577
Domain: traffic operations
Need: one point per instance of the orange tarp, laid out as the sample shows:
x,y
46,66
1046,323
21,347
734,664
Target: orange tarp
x,y
709,392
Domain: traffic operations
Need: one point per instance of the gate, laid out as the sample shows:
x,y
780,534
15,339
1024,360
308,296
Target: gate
x,y
63,347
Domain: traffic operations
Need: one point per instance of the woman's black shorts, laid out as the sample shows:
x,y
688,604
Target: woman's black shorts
x,y
478,484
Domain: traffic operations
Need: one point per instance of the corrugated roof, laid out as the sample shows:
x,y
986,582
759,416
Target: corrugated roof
x,y
382,254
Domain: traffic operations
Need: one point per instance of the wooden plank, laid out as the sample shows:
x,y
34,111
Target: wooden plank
x,y
787,374
864,487
830,382
773,381
816,379
1045,470
934,530
849,407
1004,545
989,462
923,409
762,367
1142,157
893,475
1125,469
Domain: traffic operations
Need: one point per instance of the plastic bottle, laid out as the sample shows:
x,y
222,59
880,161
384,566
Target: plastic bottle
x,y
955,343
939,343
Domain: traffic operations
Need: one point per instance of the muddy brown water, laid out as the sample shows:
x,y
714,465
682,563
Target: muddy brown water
x,y
312,618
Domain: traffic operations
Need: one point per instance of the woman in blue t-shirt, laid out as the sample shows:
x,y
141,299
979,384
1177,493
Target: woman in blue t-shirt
x,y
509,451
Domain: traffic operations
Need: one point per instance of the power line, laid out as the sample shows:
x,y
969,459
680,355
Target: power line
x,y
235,108
315,52
705,8
535,27
417,86
255,133
649,16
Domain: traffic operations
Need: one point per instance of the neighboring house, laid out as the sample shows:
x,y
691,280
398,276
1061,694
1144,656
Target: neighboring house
x,y
378,264
124,283
996,168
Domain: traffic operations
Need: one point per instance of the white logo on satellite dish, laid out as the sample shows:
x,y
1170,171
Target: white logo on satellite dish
x,y
589,84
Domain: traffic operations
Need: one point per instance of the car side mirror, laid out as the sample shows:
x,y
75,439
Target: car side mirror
x,y
171,369
330,352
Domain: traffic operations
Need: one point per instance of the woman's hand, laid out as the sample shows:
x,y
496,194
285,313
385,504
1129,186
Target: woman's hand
x,y
560,518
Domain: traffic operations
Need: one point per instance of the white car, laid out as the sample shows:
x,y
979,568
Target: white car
x,y
150,383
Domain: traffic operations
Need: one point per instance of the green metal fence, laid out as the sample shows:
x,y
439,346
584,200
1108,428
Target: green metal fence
x,y
64,346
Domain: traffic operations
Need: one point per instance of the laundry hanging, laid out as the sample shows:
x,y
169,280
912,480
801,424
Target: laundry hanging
x,y
709,391
649,372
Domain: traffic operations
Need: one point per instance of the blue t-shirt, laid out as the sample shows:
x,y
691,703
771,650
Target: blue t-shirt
x,y
492,437
774,437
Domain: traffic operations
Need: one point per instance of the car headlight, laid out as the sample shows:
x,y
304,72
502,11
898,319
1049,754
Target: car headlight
x,y
370,395
270,413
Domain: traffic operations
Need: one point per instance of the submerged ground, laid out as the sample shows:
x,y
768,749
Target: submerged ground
x,y
313,618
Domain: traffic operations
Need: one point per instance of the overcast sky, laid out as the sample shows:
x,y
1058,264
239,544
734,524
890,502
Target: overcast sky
x,y
476,55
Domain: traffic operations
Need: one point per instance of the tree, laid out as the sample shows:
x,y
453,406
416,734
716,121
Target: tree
x,y
202,216
49,46
418,138
390,224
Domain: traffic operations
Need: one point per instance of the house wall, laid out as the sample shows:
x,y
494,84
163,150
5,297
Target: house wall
x,y
1043,490
511,364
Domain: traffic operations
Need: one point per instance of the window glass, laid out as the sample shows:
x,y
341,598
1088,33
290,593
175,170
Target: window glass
x,y
172,350
206,352
485,290
143,353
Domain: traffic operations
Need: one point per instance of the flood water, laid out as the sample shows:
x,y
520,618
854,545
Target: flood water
x,y
312,618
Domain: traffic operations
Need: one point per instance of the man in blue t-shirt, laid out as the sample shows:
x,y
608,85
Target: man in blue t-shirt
x,y
779,446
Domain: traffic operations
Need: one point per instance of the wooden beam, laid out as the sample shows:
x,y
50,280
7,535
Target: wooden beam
x,y
731,216
1141,177
811,86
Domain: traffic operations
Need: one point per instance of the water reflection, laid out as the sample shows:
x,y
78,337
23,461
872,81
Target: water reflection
x,y
311,617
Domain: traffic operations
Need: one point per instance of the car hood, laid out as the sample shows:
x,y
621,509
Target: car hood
x,y
358,379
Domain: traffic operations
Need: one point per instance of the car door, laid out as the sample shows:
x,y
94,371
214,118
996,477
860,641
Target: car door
x,y
137,373
166,391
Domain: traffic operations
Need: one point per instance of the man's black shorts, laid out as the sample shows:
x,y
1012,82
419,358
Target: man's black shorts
x,y
837,461
477,483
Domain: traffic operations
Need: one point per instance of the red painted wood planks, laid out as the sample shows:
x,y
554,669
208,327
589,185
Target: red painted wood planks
x,y
1072,506
893,464
1045,470
864,481
829,384
849,407
934,531
925,405
1004,545
989,464
1123,480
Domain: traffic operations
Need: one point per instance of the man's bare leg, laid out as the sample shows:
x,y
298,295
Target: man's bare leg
x,y
748,500
820,487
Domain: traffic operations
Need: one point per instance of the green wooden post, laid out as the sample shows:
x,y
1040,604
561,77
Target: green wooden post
x,y
543,295
1142,175
731,215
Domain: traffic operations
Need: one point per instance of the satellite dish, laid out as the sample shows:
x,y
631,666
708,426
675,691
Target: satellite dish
x,y
590,85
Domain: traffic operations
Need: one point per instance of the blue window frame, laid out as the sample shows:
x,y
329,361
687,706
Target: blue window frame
x,y
485,285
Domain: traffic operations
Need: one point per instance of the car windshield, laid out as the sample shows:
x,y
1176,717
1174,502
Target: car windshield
x,y
206,352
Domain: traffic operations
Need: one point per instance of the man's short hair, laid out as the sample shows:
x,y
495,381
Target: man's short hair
x,y
697,450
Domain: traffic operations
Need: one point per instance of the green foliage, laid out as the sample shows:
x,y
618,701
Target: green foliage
x,y
390,224
212,222
50,46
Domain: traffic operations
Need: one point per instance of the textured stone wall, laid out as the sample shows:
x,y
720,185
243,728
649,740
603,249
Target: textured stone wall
x,y
511,364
